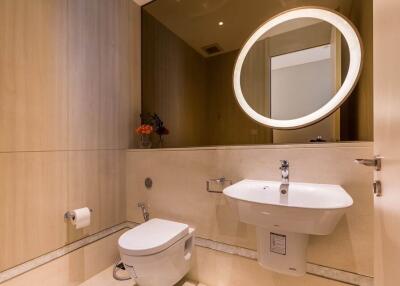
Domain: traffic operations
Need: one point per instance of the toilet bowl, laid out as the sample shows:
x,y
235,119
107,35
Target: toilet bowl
x,y
157,252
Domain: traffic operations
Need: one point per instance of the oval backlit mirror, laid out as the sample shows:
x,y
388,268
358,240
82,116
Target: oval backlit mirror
x,y
298,68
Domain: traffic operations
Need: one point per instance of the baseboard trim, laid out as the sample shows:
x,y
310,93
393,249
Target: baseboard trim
x,y
312,268
326,272
48,257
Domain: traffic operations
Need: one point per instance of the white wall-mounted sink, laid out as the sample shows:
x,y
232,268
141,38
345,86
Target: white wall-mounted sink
x,y
306,208
284,221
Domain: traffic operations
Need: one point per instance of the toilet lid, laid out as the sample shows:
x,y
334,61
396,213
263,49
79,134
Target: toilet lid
x,y
152,237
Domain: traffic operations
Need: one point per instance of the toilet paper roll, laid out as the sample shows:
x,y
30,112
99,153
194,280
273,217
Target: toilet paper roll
x,y
81,218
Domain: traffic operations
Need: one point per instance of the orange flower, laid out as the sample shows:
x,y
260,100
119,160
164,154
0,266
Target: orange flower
x,y
144,129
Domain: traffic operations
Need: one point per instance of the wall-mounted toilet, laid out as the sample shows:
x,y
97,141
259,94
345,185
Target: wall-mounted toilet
x,y
157,252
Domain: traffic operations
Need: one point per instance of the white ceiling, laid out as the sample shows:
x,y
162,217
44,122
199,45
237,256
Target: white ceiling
x,y
196,21
301,57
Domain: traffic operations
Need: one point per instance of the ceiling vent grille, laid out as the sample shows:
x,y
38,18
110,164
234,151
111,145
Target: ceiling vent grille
x,y
212,49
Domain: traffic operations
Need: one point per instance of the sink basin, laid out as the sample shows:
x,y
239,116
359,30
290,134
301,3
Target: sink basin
x,y
285,221
306,208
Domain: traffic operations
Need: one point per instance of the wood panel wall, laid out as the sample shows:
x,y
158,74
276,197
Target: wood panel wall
x,y
255,79
357,111
69,89
229,125
193,95
174,84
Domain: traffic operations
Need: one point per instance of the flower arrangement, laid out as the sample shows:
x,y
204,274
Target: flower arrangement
x,y
145,131
161,130
153,123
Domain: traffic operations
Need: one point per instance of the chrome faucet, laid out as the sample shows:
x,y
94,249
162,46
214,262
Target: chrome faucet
x,y
284,188
145,212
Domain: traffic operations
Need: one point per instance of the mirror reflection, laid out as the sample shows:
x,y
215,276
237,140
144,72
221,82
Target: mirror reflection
x,y
189,49
294,69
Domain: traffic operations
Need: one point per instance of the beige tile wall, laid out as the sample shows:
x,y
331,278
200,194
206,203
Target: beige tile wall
x,y
75,267
220,269
68,75
179,193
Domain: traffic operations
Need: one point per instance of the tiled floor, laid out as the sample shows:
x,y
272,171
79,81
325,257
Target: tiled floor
x,y
105,278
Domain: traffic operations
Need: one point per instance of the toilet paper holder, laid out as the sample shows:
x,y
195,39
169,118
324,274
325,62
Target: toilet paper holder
x,y
69,215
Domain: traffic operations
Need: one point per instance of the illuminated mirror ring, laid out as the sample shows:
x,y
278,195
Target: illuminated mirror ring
x,y
356,53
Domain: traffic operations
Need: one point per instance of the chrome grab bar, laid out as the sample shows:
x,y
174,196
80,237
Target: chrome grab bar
x,y
220,183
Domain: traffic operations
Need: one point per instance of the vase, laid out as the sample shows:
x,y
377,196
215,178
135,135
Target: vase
x,y
161,142
145,141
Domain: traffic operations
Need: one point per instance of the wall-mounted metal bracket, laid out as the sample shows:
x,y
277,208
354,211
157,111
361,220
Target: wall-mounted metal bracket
x,y
218,185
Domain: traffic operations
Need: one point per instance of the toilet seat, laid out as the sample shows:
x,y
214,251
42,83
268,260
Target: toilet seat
x,y
152,237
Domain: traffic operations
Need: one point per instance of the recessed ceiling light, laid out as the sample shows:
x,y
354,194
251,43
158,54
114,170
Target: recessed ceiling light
x,y
220,23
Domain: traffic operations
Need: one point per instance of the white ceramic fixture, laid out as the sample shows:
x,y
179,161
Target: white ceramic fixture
x,y
284,221
349,33
157,252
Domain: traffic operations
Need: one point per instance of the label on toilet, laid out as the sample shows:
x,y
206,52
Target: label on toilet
x,y
278,243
